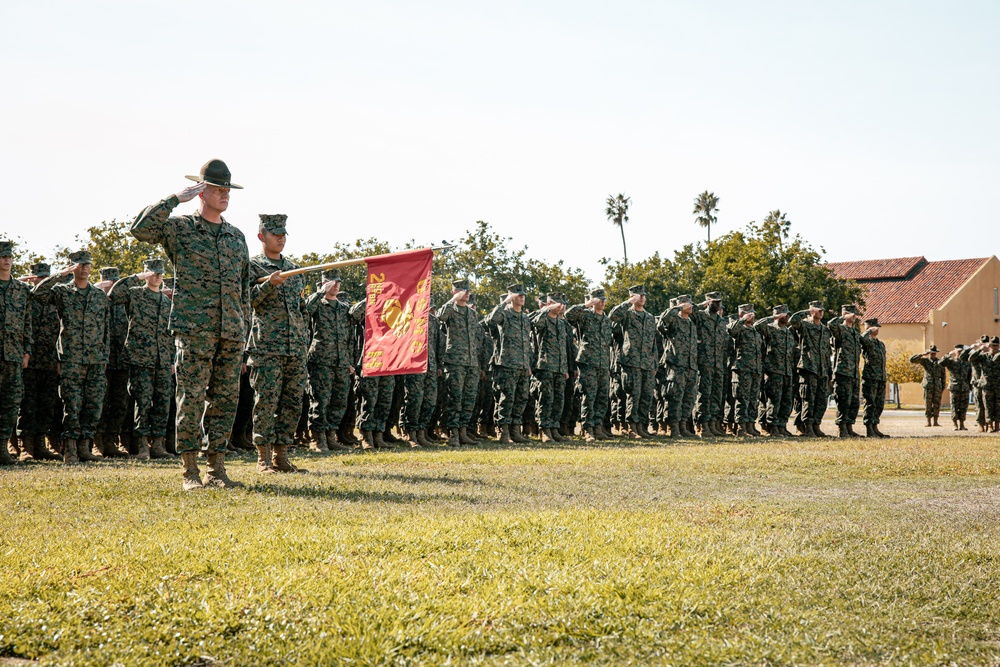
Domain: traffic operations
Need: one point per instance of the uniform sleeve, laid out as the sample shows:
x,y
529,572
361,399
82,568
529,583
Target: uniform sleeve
x,y
154,225
28,338
618,313
120,293
43,291
496,315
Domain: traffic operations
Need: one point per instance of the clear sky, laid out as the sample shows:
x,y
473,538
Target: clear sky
x,y
874,125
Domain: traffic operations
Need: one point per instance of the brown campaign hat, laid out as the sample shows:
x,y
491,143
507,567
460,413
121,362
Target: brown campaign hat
x,y
215,172
934,348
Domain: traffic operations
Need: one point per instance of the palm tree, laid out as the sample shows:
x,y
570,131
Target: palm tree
x,y
617,212
777,218
705,205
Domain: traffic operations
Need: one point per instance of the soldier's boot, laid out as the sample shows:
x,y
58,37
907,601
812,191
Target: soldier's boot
x,y
673,431
879,432
644,432
333,442
557,436
546,435
43,452
158,449
14,448
411,438
870,431
192,476
851,432
215,473
231,447
818,433
843,430
588,434
144,451
346,436
70,449
477,433
741,432
752,429
463,437
264,466
928,422
113,448
601,433
27,452
504,435
280,462
379,441
55,445
85,450
318,442
961,425
388,436
687,431
936,421
368,441
632,431
5,457
453,438
517,435
420,438
802,428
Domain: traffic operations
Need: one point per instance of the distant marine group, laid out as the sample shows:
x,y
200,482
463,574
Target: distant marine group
x,y
235,356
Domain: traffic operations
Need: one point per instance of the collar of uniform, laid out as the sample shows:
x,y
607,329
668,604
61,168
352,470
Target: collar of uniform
x,y
264,259
202,225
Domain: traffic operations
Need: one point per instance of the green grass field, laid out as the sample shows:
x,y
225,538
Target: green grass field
x,y
814,552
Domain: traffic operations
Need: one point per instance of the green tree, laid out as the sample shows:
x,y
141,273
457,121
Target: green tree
x,y
758,265
617,212
355,280
110,244
705,206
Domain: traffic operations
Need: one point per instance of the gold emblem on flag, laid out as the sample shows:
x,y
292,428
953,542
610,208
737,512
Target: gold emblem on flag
x,y
398,319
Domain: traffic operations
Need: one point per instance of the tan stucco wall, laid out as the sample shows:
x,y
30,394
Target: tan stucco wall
x,y
969,314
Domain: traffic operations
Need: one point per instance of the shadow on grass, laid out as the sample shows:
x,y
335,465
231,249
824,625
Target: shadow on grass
x,y
359,495
408,479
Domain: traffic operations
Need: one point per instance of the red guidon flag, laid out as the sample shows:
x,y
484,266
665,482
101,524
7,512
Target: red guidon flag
x,y
399,289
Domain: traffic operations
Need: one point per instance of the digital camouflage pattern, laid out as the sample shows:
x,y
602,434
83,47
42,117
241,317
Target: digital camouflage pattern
x,y
959,385
41,409
932,382
148,340
331,356
15,342
847,350
85,335
815,370
461,336
713,348
207,371
151,389
679,364
211,271
278,382
747,368
513,337
779,370
420,389
82,388
278,325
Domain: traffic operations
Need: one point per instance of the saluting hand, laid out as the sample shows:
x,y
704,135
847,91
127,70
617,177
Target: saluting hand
x,y
189,193
69,269
144,275
634,299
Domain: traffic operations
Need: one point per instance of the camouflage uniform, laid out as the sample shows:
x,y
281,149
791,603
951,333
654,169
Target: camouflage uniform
x,y
779,369
149,349
713,347
989,362
679,362
747,369
873,378
814,366
462,344
41,411
976,381
15,342
374,393
483,411
959,385
594,362
933,384
551,367
331,358
847,354
83,347
209,316
420,389
637,356
277,349
116,400
512,362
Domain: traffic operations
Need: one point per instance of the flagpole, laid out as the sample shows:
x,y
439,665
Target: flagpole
x,y
341,264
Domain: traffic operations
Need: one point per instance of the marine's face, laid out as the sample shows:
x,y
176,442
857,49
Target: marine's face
x,y
714,306
332,289
215,197
273,244
155,280
82,272
641,301
6,263
687,308
518,300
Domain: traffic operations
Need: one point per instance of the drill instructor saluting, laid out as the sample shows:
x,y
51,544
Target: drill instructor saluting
x,y
210,315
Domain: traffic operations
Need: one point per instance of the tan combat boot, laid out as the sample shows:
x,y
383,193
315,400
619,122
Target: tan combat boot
x,y
192,476
280,462
264,460
42,450
504,435
588,434
157,448
368,441
463,437
546,435
517,436
413,438
379,441
556,435
318,442
215,472
333,443
453,438
422,438
84,449
70,448
143,454
5,457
